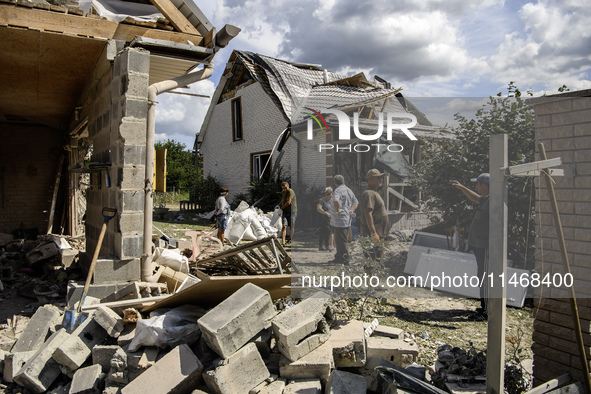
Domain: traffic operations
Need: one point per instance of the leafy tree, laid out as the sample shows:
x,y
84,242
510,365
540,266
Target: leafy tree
x,y
467,155
180,165
206,192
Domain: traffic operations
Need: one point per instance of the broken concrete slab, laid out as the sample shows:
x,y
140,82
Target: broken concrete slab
x,y
231,324
87,380
41,370
304,386
238,373
35,334
316,364
42,252
386,331
275,387
303,327
342,382
78,348
398,351
119,372
13,362
110,321
347,340
177,371
102,355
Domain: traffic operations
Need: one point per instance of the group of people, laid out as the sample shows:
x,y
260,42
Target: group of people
x,y
338,207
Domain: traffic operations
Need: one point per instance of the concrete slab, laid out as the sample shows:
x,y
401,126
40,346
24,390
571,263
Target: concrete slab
x,y
386,331
316,364
274,387
231,324
303,327
238,373
177,371
41,370
304,386
342,382
37,330
110,321
347,341
87,380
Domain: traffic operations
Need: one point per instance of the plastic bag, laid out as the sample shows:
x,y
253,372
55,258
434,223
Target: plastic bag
x,y
171,258
170,328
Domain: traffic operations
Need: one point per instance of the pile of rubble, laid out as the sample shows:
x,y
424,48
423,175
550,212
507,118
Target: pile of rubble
x,y
241,345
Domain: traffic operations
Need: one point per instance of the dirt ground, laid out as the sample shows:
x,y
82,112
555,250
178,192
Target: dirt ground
x,y
431,318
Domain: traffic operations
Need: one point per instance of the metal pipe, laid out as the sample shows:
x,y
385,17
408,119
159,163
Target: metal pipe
x,y
153,91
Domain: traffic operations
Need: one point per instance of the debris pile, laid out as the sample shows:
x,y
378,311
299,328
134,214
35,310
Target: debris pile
x,y
242,344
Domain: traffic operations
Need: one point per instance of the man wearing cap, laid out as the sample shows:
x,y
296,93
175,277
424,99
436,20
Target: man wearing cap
x,y
222,211
478,237
374,219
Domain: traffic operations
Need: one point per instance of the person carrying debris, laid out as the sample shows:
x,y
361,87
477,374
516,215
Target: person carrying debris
x,y
222,212
325,230
374,217
289,207
344,205
478,237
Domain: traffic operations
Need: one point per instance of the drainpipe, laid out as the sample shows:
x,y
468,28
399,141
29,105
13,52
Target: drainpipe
x,y
153,91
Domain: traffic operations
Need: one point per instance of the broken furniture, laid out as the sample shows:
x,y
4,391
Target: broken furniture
x,y
266,256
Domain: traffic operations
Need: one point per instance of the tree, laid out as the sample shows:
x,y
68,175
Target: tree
x,y
468,155
180,165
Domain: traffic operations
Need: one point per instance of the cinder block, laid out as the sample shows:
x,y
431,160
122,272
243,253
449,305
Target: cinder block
x,y
398,351
303,327
274,387
74,351
87,380
111,322
347,343
316,364
95,290
238,373
41,370
102,355
110,271
304,386
127,334
37,329
177,372
342,382
236,320
13,362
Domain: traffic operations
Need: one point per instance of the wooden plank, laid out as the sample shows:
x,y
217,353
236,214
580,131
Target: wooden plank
x,y
56,187
94,28
175,17
400,196
210,292
128,303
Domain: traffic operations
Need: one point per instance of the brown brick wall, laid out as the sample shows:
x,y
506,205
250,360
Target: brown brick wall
x,y
563,125
28,164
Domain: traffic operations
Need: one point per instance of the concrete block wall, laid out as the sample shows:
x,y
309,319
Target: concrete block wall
x,y
563,125
262,121
117,128
28,165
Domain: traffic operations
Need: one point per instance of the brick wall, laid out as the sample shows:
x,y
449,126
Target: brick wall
x,y
563,124
117,112
28,164
229,161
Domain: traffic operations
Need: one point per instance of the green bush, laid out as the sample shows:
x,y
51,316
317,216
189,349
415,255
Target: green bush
x,y
206,192
265,195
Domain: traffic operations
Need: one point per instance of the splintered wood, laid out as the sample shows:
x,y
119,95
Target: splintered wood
x,y
263,257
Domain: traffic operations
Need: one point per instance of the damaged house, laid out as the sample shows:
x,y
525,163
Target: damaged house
x,y
77,113
259,116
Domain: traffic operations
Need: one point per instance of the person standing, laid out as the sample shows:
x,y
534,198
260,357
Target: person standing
x,y
325,230
344,205
289,207
222,211
374,217
478,236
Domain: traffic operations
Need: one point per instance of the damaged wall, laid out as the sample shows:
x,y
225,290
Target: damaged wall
x,y
563,125
28,167
117,109
262,123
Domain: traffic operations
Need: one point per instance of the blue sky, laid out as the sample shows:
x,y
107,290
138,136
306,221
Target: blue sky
x,y
430,48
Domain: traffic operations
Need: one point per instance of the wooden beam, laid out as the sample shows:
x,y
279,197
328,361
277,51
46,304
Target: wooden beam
x,y
176,18
401,197
31,18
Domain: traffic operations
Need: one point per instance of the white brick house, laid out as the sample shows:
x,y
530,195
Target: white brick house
x,y
259,97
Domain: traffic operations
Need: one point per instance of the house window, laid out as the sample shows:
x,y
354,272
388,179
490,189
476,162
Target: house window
x,y
259,168
237,120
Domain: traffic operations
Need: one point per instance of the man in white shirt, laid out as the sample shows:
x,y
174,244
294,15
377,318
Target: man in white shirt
x,y
344,204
